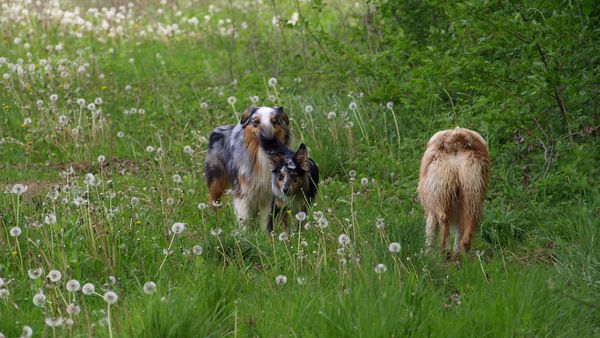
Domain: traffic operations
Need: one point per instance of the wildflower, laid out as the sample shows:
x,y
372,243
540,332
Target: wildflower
x,y
149,149
331,115
50,219
318,215
27,122
80,102
170,201
479,253
134,201
39,299
275,20
101,159
73,285
283,236
91,106
197,250
352,173
54,322
110,298
272,82
390,105
1,282
281,279
53,97
231,100
177,228
18,189
380,268
73,309
89,179
294,19
98,101
27,332
149,287
188,150
344,239
54,276
352,106
301,280
120,134
15,232
88,289
301,216
216,231
379,223
254,99
322,222
35,273
364,181
4,293
112,280
177,178
201,206
272,98
394,247
308,109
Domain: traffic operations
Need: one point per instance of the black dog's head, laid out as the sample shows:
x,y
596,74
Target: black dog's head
x,y
290,172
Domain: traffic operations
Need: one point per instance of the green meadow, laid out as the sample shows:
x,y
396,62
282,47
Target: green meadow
x,y
105,111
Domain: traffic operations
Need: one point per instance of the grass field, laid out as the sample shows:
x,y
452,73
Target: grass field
x,y
106,107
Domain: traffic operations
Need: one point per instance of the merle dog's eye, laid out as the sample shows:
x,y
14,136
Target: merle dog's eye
x,y
255,123
281,177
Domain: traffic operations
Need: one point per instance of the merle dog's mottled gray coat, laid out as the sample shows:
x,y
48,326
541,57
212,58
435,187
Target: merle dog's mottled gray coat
x,y
235,160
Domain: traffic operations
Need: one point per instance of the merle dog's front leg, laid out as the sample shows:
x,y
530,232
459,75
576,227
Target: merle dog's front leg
x,y
273,215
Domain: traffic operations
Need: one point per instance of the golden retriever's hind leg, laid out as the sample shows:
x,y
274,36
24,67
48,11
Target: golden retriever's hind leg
x,y
468,224
444,225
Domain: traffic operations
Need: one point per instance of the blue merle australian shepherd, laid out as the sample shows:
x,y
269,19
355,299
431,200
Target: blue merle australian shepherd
x,y
235,160
294,181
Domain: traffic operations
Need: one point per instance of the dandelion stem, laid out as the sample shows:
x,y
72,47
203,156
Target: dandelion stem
x,y
166,255
109,324
397,130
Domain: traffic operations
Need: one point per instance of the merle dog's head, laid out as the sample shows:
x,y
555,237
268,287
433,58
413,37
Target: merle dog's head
x,y
290,172
266,122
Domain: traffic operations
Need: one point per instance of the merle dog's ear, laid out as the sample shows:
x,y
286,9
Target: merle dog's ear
x,y
301,156
281,114
246,117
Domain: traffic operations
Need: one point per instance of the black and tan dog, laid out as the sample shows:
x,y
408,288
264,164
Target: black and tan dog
x,y
235,160
294,180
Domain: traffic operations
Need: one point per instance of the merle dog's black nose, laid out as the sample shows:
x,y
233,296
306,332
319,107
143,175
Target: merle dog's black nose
x,y
285,190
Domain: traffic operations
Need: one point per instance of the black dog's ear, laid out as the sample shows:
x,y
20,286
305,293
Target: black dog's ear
x,y
246,117
281,114
301,156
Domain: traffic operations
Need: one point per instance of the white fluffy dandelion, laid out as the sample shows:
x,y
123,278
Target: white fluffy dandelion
x,y
379,223
344,239
35,273
39,299
110,297
73,309
301,216
101,159
202,206
177,228
73,285
281,279
149,287
394,247
390,105
15,231
188,150
18,189
88,289
4,293
308,109
352,106
50,219
54,276
197,250
231,100
89,179
54,322
322,222
331,115
380,268
272,82
283,236
27,332
364,181
177,178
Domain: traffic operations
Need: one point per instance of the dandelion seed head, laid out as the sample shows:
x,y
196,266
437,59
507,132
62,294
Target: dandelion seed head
x,y
188,150
352,173
149,287
89,179
216,231
27,332
101,159
73,285
380,268
301,280
54,321
344,239
39,299
18,189
177,228
50,219
281,279
283,236
272,82
353,106
322,222
15,231
390,105
4,293
110,297
73,309
197,250
301,216
88,289
202,206
308,109
231,100
177,178
379,223
54,276
331,115
364,181
35,273
394,247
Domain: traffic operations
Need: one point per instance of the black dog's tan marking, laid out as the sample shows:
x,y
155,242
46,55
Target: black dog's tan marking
x,y
294,180
235,160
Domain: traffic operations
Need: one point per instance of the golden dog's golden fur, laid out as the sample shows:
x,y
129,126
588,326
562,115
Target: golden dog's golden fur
x,y
452,183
